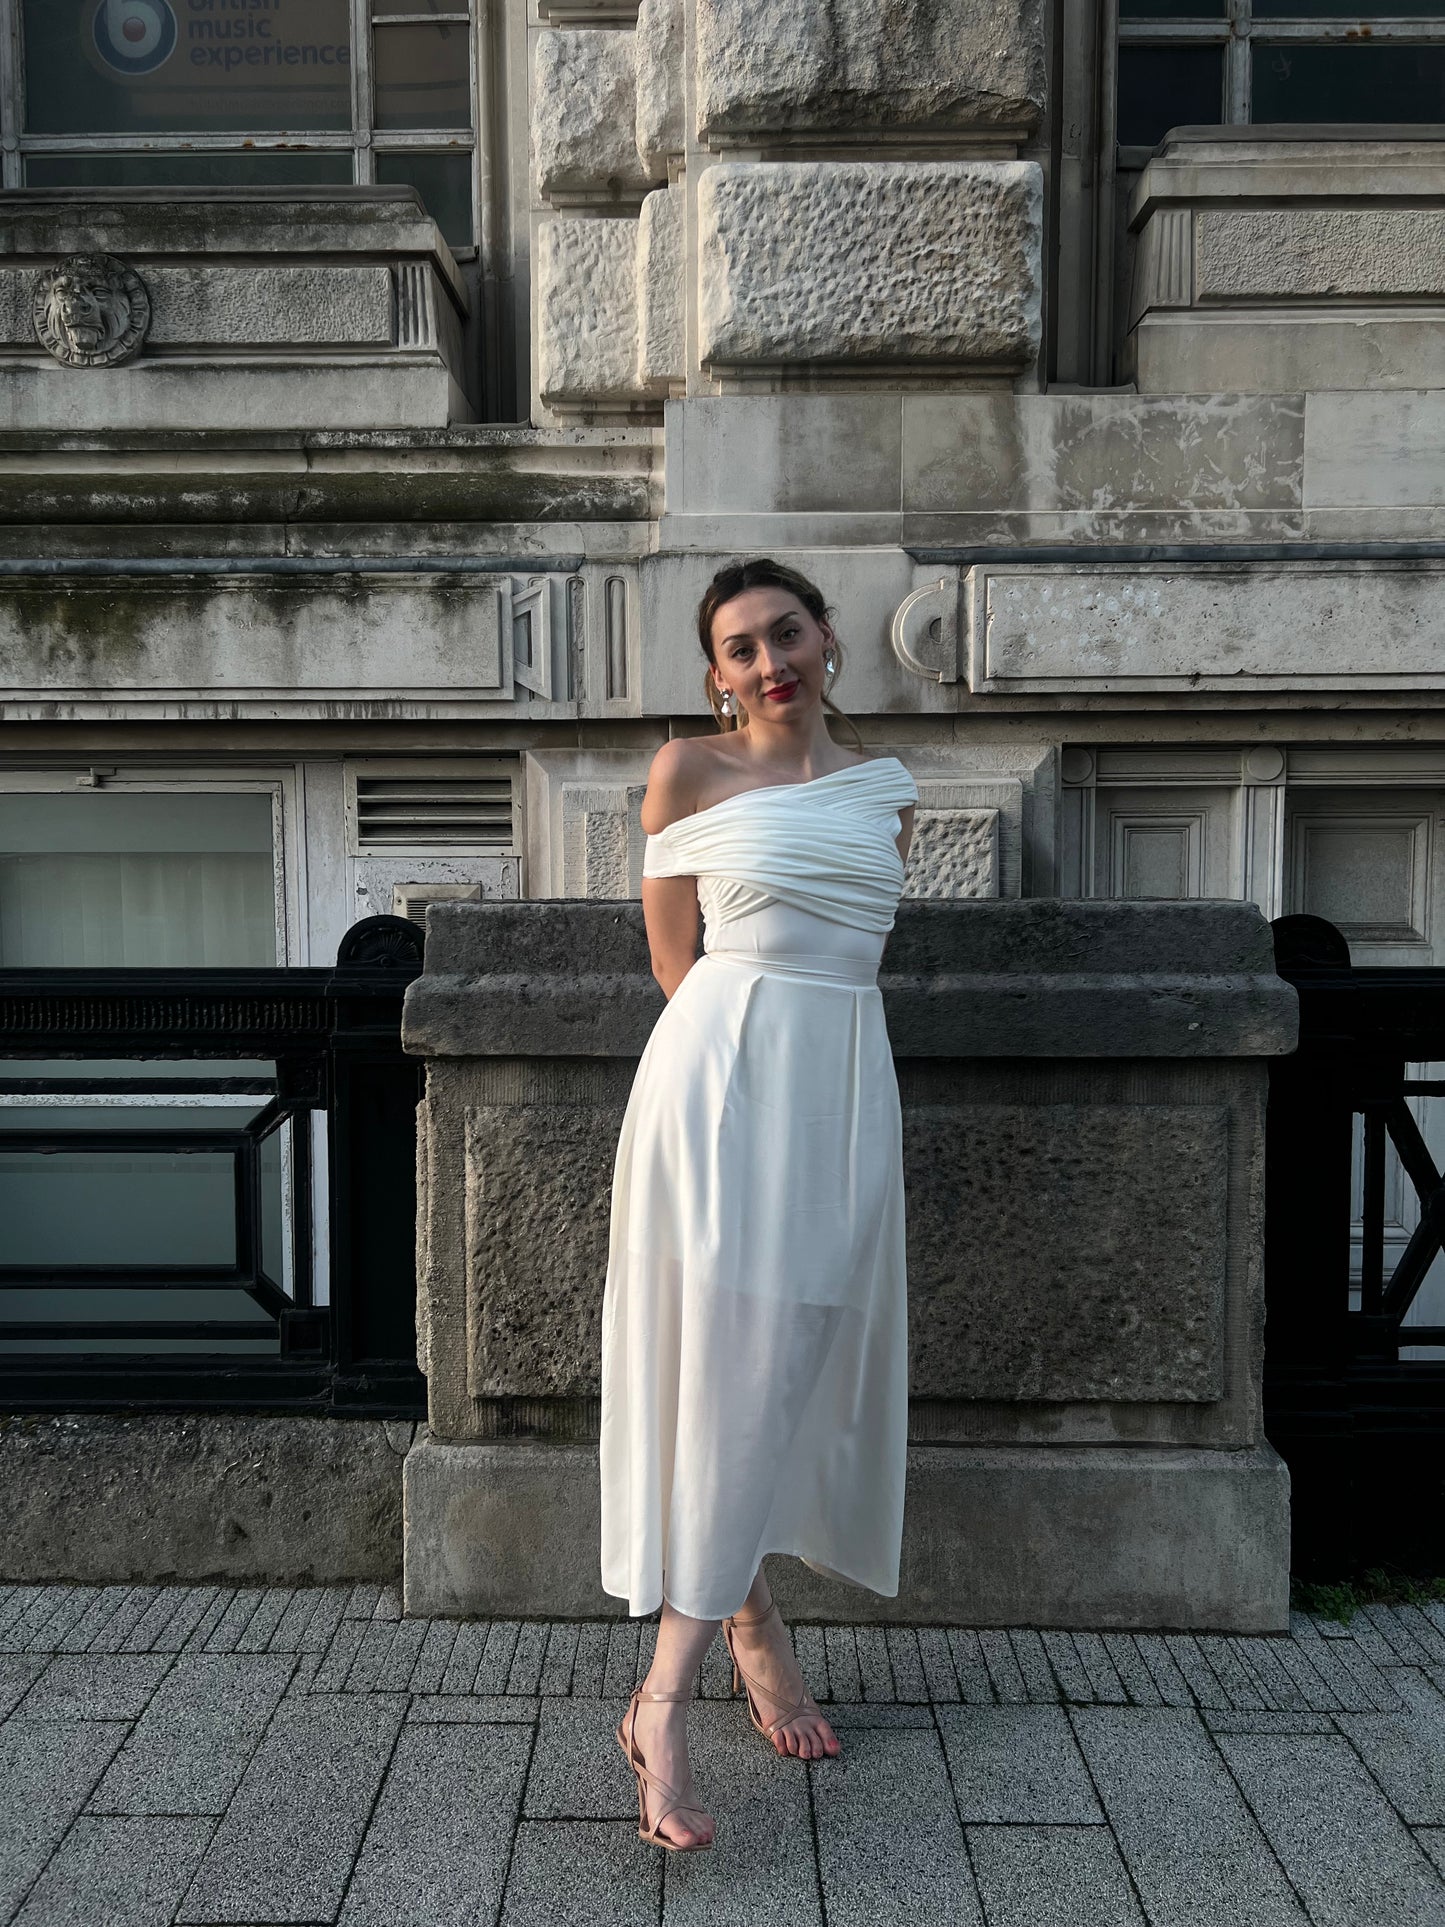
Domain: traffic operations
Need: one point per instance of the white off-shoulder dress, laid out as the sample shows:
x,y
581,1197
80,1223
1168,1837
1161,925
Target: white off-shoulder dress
x,y
754,1335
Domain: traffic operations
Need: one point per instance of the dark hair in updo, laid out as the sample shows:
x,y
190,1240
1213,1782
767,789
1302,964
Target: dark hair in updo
x,y
761,572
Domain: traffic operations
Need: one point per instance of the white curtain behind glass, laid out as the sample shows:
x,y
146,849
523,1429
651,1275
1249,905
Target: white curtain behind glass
x,y
107,878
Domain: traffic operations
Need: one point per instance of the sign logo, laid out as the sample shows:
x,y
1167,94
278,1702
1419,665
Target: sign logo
x,y
135,36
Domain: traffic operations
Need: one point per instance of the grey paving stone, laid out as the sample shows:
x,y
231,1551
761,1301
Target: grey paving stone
x,y
103,1607
1406,1753
1298,1662
1003,1669
889,1843
209,1620
290,1834
42,1605
336,1660
196,1602
234,1620
1301,1626
1052,1877
495,1646
1074,1682
153,1622
715,1675
301,1608
525,1673
646,1646
18,1673
761,1868
1198,1673
321,1626
1358,1686
307,1666
472,1709
388,1603
1267,1720
578,1770
117,1629
1434,1611
1129,1664
436,1650
1326,1627
1231,1672
189,1750
590,1662
845,1680
1367,1637
1016,1764
1181,1823
97,1686
1392,1628
401,1659
1346,1851
362,1602
461,1673
47,1768
1172,1685
256,1633
1424,1632
18,1601
435,1851
582,1873
364,1674
877,1713
1264,1662
117,1872
1033,1663
620,1674
557,1661
61,1609
938,1664
1432,1839
974,1685
906,1661
1094,1657
873,1667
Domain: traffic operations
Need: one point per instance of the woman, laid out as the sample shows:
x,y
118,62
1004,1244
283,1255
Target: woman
x,y
754,1372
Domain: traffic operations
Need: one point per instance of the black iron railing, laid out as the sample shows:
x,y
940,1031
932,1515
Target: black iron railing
x,y
1359,1418
321,1311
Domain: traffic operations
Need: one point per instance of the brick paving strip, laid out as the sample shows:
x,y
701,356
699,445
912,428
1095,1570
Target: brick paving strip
x,y
210,1754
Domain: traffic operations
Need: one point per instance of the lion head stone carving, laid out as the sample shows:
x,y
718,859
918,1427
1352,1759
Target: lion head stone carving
x,y
91,311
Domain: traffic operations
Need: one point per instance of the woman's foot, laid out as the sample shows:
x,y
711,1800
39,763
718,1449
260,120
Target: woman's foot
x,y
659,1732
766,1653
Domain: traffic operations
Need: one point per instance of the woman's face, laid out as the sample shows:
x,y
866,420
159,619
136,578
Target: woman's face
x,y
769,651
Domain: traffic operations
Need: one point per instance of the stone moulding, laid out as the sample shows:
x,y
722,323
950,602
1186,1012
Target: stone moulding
x,y
841,267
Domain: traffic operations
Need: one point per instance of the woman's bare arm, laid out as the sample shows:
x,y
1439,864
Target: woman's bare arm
x,y
670,907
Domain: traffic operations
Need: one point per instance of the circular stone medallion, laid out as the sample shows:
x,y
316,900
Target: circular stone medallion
x,y
91,311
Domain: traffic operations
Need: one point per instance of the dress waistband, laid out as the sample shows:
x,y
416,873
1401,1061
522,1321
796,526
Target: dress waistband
x,y
843,975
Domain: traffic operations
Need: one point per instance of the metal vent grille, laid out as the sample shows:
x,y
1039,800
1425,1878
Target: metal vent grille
x,y
441,812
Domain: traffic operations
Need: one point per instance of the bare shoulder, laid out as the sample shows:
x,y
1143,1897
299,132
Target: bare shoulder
x,y
678,775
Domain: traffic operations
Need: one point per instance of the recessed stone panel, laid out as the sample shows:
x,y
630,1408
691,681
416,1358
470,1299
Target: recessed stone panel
x,y
870,263
861,69
1319,253
1024,1284
587,311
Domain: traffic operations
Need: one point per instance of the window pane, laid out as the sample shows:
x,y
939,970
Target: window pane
x,y
1164,87
421,8
118,1207
151,66
1346,10
421,76
1352,82
101,878
444,182
188,170
1172,9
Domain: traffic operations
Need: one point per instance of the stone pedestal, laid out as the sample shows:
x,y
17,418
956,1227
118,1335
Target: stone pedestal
x,y
1083,1094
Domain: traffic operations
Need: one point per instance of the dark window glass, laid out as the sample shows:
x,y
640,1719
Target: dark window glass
x,y
160,66
1172,9
188,170
1345,10
444,182
1354,81
422,9
1164,87
420,76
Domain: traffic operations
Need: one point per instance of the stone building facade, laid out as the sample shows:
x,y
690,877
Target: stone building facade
x,y
374,409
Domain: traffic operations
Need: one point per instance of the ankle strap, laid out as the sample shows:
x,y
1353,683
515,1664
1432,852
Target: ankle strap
x,y
638,1694
754,1619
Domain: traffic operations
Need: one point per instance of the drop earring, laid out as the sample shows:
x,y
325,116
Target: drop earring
x,y
828,662
725,702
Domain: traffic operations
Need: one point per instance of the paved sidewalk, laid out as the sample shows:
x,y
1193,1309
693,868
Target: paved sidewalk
x,y
196,1754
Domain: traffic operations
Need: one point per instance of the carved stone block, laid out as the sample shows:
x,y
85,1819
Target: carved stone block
x,y
587,336
584,115
858,70
954,853
662,340
661,51
602,839
935,263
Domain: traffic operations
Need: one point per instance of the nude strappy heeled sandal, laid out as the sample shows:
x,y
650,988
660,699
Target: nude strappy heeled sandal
x,y
807,1704
648,1781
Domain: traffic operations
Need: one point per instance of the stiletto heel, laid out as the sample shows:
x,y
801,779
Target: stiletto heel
x,y
647,1781
741,1677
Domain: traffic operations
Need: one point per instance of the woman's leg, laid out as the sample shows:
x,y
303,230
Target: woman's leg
x,y
767,1652
660,1727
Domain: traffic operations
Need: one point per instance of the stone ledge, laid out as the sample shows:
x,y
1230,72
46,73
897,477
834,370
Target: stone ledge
x,y
1043,1536
1030,977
